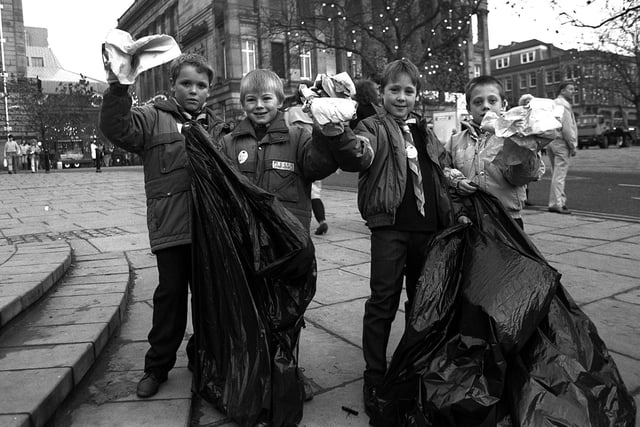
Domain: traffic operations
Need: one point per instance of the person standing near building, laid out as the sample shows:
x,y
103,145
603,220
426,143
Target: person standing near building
x,y
45,156
36,149
96,152
562,149
11,153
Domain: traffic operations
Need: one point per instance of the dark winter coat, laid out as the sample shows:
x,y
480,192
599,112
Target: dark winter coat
x,y
153,132
285,161
382,181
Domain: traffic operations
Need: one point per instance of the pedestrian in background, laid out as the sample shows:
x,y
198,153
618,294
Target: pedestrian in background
x,y
368,98
45,156
11,154
153,131
25,155
96,154
36,149
486,94
562,149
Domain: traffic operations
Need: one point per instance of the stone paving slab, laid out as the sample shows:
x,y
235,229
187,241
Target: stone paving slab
x,y
24,277
20,420
37,392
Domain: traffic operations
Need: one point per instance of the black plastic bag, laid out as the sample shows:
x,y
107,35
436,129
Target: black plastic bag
x,y
484,332
254,275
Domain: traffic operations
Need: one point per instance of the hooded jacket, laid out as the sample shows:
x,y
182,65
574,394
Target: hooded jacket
x,y
153,132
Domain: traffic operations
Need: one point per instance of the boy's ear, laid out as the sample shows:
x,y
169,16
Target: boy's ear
x,y
504,104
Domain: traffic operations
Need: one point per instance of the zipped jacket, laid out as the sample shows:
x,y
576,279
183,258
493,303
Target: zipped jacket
x,y
284,162
153,132
383,175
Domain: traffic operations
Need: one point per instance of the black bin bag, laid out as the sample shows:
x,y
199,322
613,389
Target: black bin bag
x,y
493,339
254,274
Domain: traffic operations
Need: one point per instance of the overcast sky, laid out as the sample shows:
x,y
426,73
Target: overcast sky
x,y
77,27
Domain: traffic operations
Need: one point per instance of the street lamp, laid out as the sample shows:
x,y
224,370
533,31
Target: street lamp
x,y
4,75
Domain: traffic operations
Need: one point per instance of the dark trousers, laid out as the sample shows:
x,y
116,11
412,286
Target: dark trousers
x,y
394,255
170,301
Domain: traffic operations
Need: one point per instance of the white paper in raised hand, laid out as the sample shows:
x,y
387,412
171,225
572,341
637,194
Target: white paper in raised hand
x,y
333,110
128,57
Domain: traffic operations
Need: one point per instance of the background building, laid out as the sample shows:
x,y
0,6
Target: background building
x,y
237,36
538,68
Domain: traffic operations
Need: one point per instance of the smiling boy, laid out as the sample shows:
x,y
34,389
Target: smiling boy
x,y
403,195
153,132
283,160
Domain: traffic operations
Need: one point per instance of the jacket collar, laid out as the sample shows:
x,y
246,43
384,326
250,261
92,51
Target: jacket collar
x,y
276,131
472,128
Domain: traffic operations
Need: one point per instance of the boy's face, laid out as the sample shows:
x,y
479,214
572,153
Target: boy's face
x,y
484,98
191,88
399,96
261,108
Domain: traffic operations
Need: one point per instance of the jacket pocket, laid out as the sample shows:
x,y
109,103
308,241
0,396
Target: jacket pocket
x,y
170,152
284,184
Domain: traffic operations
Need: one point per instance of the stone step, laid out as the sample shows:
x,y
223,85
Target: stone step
x,y
48,349
28,271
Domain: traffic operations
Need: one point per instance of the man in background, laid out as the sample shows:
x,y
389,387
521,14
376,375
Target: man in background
x,y
561,149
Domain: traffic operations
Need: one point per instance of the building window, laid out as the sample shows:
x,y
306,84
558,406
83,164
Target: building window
x,y
476,71
523,81
305,65
248,56
37,61
571,73
508,84
527,57
553,76
502,62
533,80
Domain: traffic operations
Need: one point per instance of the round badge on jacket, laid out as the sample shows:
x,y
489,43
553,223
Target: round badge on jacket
x,y
243,156
412,153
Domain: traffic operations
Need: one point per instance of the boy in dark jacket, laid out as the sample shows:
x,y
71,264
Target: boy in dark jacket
x,y
281,159
404,197
153,132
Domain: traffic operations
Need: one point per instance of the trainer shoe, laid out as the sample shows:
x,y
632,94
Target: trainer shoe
x,y
149,385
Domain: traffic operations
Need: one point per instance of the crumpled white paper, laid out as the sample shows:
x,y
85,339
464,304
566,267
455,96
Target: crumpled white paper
x,y
332,110
339,85
128,58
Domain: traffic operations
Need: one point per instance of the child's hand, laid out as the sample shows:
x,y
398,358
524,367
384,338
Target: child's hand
x,y
463,219
466,187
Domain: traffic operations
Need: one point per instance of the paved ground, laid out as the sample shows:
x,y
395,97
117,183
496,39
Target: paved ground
x,y
103,213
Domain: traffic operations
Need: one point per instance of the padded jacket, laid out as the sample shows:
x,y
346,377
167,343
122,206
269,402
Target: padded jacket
x,y
383,178
286,161
153,132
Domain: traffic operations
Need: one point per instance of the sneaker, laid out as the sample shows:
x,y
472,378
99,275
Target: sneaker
x,y
149,385
563,210
322,229
371,402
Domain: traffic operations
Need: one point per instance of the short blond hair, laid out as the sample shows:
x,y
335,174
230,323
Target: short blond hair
x,y
261,80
